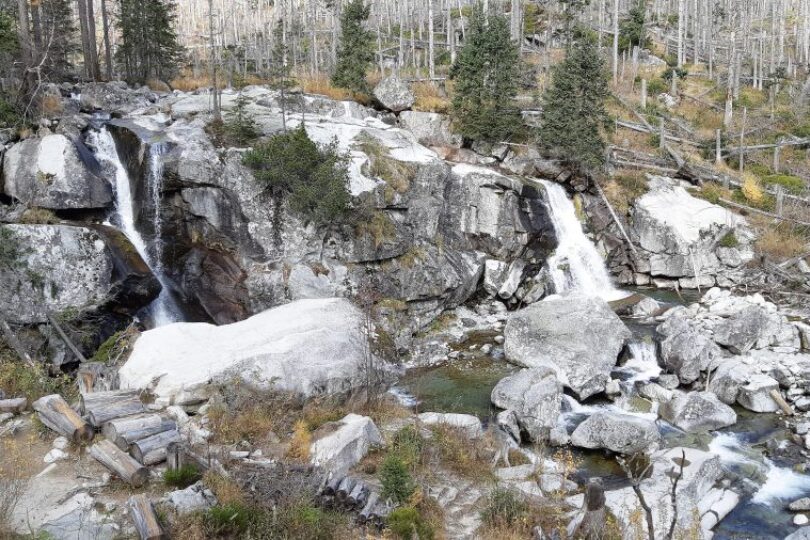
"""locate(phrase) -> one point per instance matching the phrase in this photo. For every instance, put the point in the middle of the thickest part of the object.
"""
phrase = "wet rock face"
(64, 267)
(579, 337)
(50, 172)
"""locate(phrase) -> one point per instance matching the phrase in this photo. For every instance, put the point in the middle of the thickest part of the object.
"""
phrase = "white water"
(781, 483)
(643, 363)
(163, 310)
(576, 266)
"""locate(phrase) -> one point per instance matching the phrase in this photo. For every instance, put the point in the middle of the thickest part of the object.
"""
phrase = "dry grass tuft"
(752, 189)
(624, 188)
(51, 105)
(17, 465)
(781, 241)
(429, 98)
(397, 174)
(300, 442)
(320, 84)
(226, 490)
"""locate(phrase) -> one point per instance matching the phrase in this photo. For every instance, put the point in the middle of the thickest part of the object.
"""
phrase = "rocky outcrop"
(308, 346)
(579, 337)
(63, 268)
(430, 129)
(394, 94)
(50, 172)
(694, 412)
(621, 433)
(467, 423)
(699, 245)
(340, 445)
(114, 97)
(534, 397)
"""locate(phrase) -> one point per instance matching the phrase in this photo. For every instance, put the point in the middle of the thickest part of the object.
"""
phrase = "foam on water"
(643, 363)
(576, 266)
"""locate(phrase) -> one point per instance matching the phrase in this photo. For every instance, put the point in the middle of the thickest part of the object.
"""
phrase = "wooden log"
(365, 514)
(100, 409)
(120, 463)
(15, 405)
(345, 488)
(332, 485)
(175, 456)
(75, 350)
(125, 431)
(357, 497)
(145, 519)
(55, 413)
(16, 344)
(95, 377)
(152, 449)
(777, 397)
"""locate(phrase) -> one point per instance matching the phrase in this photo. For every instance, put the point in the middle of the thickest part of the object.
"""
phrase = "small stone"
(613, 388)
(5, 416)
(498, 339)
(801, 429)
(486, 348)
(55, 455)
(669, 381)
(800, 519)
(60, 443)
(800, 505)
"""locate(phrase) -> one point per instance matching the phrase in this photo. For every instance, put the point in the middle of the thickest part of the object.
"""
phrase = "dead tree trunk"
(55, 413)
(120, 463)
(145, 519)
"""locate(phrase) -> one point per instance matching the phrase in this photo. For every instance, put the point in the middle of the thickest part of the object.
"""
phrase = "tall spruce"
(574, 107)
(486, 75)
(58, 43)
(149, 48)
(356, 51)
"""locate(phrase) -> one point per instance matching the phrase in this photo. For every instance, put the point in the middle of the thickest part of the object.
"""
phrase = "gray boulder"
(580, 337)
(728, 377)
(698, 411)
(194, 498)
(431, 129)
(48, 172)
(756, 394)
(344, 443)
(62, 267)
(467, 423)
(394, 94)
(752, 327)
(622, 433)
(535, 397)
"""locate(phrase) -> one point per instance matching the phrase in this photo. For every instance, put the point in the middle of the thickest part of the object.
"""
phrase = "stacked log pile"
(354, 495)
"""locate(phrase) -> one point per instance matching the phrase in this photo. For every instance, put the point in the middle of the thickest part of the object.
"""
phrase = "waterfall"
(164, 309)
(576, 266)
(643, 363)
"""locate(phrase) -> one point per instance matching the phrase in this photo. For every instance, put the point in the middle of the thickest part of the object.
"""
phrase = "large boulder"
(694, 244)
(341, 445)
(394, 94)
(431, 129)
(468, 424)
(694, 412)
(49, 172)
(307, 346)
(687, 349)
(617, 432)
(59, 268)
(753, 327)
(579, 337)
(535, 396)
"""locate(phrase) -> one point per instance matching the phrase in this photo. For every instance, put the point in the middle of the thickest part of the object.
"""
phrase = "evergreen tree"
(356, 51)
(486, 75)
(149, 47)
(574, 107)
(631, 29)
(58, 42)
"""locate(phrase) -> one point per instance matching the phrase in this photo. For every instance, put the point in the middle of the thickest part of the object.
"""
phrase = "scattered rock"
(800, 519)
(800, 505)
(394, 94)
(694, 412)
(535, 396)
(756, 394)
(622, 433)
(341, 445)
(467, 423)
(193, 498)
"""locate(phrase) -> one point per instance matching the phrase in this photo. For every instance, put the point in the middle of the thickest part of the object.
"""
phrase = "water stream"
(576, 265)
(164, 308)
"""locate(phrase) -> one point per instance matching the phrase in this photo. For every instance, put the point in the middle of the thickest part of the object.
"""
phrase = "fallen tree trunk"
(125, 431)
(145, 519)
(152, 449)
(15, 405)
(120, 463)
(100, 409)
(179, 455)
(11, 339)
(55, 413)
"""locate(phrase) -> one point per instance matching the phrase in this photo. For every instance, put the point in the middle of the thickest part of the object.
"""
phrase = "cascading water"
(576, 266)
(164, 309)
(643, 363)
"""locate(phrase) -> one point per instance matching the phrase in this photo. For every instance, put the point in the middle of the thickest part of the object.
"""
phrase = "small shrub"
(239, 126)
(231, 518)
(182, 477)
(407, 523)
(397, 174)
(793, 184)
(396, 480)
(729, 240)
(19, 379)
(752, 190)
(429, 98)
(781, 242)
(504, 507)
(315, 178)
(656, 86)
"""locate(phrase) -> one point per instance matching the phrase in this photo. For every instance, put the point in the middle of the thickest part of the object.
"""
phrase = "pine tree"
(356, 51)
(59, 43)
(486, 75)
(574, 107)
(149, 47)
(631, 29)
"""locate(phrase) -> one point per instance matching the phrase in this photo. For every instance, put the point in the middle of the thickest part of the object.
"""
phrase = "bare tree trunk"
(23, 32)
(431, 57)
(615, 41)
(212, 45)
(107, 48)
(91, 34)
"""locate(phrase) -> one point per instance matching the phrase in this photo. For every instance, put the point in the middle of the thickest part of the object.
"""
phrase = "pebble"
(800, 519)
(499, 339)
(486, 348)
(60, 443)
(800, 505)
(55, 455)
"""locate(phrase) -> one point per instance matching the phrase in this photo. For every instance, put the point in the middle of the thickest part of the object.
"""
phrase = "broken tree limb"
(145, 519)
(777, 397)
(152, 449)
(120, 463)
(75, 350)
(55, 413)
(763, 212)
